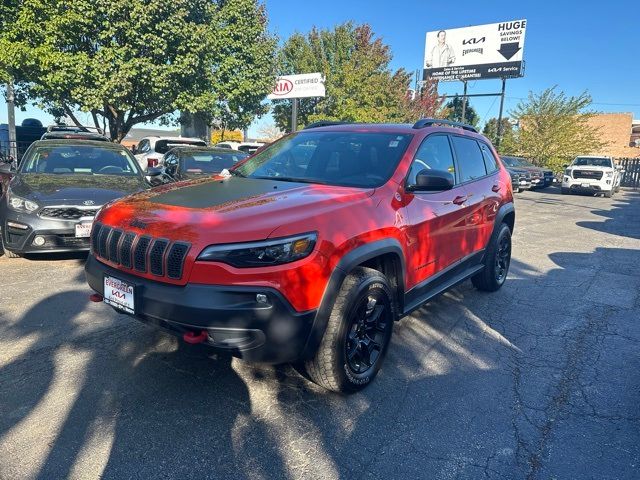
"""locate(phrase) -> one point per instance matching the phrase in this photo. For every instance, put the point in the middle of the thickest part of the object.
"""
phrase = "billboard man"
(441, 54)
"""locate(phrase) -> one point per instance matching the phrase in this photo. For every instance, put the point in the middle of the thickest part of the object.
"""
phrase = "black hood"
(52, 189)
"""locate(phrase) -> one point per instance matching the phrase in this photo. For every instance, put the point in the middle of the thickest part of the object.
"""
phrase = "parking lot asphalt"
(539, 380)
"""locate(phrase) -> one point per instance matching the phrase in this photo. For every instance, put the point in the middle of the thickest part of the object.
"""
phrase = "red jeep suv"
(312, 248)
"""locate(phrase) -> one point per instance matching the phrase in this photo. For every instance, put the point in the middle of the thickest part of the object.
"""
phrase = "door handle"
(460, 199)
(495, 188)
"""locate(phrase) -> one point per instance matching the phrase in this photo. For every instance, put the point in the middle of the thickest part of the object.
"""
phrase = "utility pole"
(464, 102)
(11, 114)
(499, 139)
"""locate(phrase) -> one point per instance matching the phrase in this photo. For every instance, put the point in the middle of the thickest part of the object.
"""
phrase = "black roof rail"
(429, 122)
(325, 123)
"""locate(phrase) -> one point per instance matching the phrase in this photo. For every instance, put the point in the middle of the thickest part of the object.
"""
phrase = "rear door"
(436, 220)
(479, 176)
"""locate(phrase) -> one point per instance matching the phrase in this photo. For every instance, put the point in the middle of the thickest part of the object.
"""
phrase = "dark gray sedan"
(48, 202)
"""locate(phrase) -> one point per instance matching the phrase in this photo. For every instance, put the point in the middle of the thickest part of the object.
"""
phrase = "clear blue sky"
(576, 45)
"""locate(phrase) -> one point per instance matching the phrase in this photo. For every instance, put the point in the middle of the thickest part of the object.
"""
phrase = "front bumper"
(587, 186)
(271, 332)
(59, 235)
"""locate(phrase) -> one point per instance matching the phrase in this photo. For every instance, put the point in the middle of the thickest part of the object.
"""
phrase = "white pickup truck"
(595, 175)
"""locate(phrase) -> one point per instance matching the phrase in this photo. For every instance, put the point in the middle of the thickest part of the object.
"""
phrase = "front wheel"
(357, 334)
(496, 263)
(7, 253)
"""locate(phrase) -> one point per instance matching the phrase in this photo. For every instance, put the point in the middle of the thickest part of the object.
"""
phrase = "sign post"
(11, 117)
(295, 87)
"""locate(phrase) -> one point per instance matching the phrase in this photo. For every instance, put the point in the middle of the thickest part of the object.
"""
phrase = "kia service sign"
(298, 86)
(473, 53)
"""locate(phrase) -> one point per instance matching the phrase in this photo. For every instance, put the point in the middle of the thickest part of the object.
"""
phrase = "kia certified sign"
(473, 53)
(298, 86)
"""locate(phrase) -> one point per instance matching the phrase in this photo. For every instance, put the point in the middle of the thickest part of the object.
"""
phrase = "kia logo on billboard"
(473, 41)
(283, 87)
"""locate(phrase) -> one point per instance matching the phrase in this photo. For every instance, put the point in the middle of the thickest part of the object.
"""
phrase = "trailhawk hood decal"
(228, 210)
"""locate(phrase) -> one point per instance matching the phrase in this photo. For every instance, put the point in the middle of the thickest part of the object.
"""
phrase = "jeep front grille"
(142, 253)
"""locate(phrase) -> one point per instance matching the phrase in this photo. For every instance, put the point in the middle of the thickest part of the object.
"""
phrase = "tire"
(496, 262)
(7, 253)
(362, 316)
(565, 191)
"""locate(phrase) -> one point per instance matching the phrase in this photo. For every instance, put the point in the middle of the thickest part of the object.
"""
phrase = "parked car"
(150, 150)
(47, 203)
(182, 163)
(60, 132)
(593, 175)
(247, 147)
(540, 177)
(310, 250)
(520, 177)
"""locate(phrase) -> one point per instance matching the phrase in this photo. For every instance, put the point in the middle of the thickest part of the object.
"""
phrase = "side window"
(433, 154)
(469, 156)
(490, 162)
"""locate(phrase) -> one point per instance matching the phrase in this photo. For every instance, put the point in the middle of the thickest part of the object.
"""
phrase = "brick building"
(617, 130)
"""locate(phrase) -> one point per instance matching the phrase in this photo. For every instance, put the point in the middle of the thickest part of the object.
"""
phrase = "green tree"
(454, 107)
(490, 131)
(554, 128)
(134, 61)
(360, 84)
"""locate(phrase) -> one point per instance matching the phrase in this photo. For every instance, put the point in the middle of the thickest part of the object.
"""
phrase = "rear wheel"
(496, 262)
(357, 334)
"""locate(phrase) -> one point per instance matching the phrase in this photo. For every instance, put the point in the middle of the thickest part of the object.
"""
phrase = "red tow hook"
(96, 297)
(193, 338)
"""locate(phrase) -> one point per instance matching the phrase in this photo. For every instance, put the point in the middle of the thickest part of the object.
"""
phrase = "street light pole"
(11, 114)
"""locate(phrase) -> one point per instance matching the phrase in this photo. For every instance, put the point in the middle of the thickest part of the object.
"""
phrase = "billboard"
(474, 53)
(298, 86)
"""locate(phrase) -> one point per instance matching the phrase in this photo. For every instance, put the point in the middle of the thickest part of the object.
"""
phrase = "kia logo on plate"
(88, 202)
(283, 87)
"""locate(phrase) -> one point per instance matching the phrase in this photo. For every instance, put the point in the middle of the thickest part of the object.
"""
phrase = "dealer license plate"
(586, 185)
(83, 230)
(119, 294)
(523, 182)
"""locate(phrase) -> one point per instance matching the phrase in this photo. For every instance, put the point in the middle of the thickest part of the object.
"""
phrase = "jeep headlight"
(263, 253)
(21, 204)
(608, 174)
(567, 172)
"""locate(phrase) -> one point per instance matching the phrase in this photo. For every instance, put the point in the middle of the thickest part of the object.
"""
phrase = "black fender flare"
(355, 257)
(503, 211)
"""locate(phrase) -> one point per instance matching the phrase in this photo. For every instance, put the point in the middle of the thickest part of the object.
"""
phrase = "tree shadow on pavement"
(472, 386)
(622, 220)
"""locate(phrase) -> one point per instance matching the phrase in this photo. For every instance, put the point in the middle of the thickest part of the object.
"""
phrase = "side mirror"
(566, 165)
(432, 181)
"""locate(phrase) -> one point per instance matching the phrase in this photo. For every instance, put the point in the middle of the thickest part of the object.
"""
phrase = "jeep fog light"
(39, 241)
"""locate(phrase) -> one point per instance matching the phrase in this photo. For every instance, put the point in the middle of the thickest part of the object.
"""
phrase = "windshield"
(163, 146)
(357, 159)
(592, 162)
(210, 162)
(510, 161)
(80, 159)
